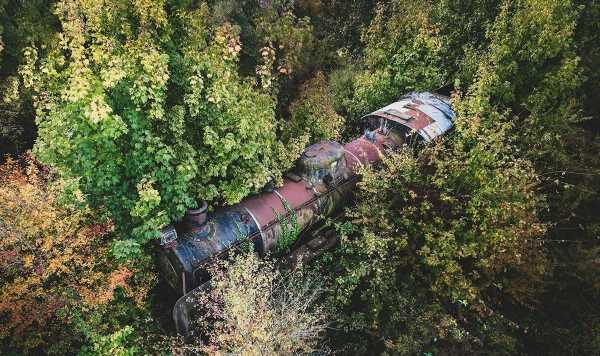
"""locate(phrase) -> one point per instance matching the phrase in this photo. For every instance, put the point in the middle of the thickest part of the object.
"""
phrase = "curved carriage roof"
(430, 115)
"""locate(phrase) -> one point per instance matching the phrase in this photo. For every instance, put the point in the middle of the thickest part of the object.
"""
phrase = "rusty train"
(319, 187)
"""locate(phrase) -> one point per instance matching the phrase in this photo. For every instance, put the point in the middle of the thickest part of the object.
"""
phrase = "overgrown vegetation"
(253, 308)
(290, 230)
(485, 242)
(452, 233)
(59, 285)
(457, 249)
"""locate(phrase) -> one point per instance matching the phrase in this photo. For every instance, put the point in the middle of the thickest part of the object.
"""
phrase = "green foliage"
(55, 263)
(287, 42)
(588, 35)
(278, 43)
(409, 46)
(22, 24)
(341, 82)
(463, 27)
(402, 53)
(449, 231)
(484, 242)
(339, 23)
(119, 343)
(520, 166)
(147, 110)
(539, 70)
(290, 230)
(122, 326)
(532, 68)
(312, 113)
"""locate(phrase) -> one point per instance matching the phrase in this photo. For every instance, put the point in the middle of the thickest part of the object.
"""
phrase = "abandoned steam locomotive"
(320, 186)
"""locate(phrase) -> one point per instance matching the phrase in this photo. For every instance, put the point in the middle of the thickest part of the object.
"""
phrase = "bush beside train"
(319, 187)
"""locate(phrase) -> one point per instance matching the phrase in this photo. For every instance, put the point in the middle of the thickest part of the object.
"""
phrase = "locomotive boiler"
(319, 187)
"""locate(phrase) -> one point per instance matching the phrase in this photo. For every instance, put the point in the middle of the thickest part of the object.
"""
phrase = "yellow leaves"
(286, 41)
(97, 110)
(27, 71)
(114, 72)
(11, 91)
(151, 13)
(28, 261)
(79, 84)
(264, 69)
(227, 42)
(138, 55)
(149, 198)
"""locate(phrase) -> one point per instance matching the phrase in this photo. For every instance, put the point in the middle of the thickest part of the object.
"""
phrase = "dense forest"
(116, 116)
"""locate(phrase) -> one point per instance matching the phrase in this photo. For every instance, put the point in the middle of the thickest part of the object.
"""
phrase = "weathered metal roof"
(430, 115)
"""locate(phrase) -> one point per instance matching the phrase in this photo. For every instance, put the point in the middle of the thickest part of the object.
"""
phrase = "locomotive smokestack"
(195, 219)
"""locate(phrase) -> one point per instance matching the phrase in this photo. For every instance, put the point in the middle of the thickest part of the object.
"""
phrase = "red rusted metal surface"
(296, 194)
(366, 151)
(427, 114)
(264, 207)
(352, 161)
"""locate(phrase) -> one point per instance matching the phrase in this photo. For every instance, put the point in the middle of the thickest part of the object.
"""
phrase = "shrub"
(125, 326)
(403, 53)
(521, 165)
(54, 260)
(287, 44)
(534, 71)
(339, 24)
(447, 235)
(117, 343)
(253, 308)
(407, 46)
(313, 114)
(22, 24)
